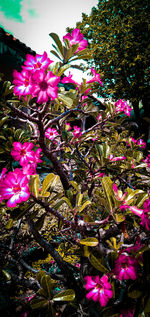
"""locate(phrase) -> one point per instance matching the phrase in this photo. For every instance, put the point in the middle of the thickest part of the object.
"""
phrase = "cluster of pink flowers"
(121, 105)
(100, 289)
(142, 213)
(27, 158)
(34, 80)
(76, 38)
(14, 186)
(140, 142)
(96, 78)
(147, 160)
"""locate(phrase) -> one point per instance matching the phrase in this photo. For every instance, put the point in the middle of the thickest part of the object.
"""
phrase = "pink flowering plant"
(75, 183)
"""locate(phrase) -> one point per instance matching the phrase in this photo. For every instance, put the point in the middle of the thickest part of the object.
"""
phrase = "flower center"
(26, 82)
(23, 152)
(43, 85)
(17, 188)
(37, 65)
(124, 265)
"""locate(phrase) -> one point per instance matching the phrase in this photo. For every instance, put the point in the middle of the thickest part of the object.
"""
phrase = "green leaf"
(97, 264)
(107, 185)
(68, 202)
(9, 224)
(54, 53)
(3, 120)
(62, 69)
(79, 199)
(90, 242)
(132, 193)
(41, 292)
(68, 102)
(39, 275)
(39, 223)
(47, 183)
(7, 275)
(147, 306)
(38, 303)
(46, 284)
(75, 185)
(87, 203)
(55, 68)
(56, 38)
(67, 296)
(134, 291)
(34, 185)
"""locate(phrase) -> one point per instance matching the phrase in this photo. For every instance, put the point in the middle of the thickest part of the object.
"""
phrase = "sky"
(31, 21)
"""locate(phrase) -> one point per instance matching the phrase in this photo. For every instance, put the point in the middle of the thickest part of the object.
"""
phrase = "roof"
(14, 43)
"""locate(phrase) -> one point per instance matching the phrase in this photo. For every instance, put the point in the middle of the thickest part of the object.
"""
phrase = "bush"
(76, 195)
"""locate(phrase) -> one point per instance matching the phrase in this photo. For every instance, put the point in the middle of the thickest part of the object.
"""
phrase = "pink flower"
(2, 177)
(36, 62)
(22, 82)
(37, 154)
(96, 77)
(142, 213)
(99, 118)
(146, 205)
(44, 86)
(77, 131)
(147, 160)
(115, 159)
(141, 143)
(67, 126)
(133, 140)
(51, 133)
(133, 249)
(121, 105)
(29, 169)
(100, 289)
(22, 152)
(68, 80)
(76, 38)
(15, 188)
(125, 267)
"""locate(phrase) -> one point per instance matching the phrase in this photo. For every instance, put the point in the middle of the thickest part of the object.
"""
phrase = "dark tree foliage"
(118, 32)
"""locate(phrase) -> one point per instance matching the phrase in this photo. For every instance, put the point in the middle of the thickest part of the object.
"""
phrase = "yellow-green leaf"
(87, 203)
(7, 275)
(62, 69)
(75, 185)
(90, 242)
(68, 102)
(68, 202)
(34, 185)
(47, 183)
(9, 224)
(79, 199)
(67, 296)
(107, 185)
(97, 264)
(46, 284)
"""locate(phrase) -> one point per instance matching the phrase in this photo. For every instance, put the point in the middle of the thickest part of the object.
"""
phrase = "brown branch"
(67, 272)
(21, 113)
